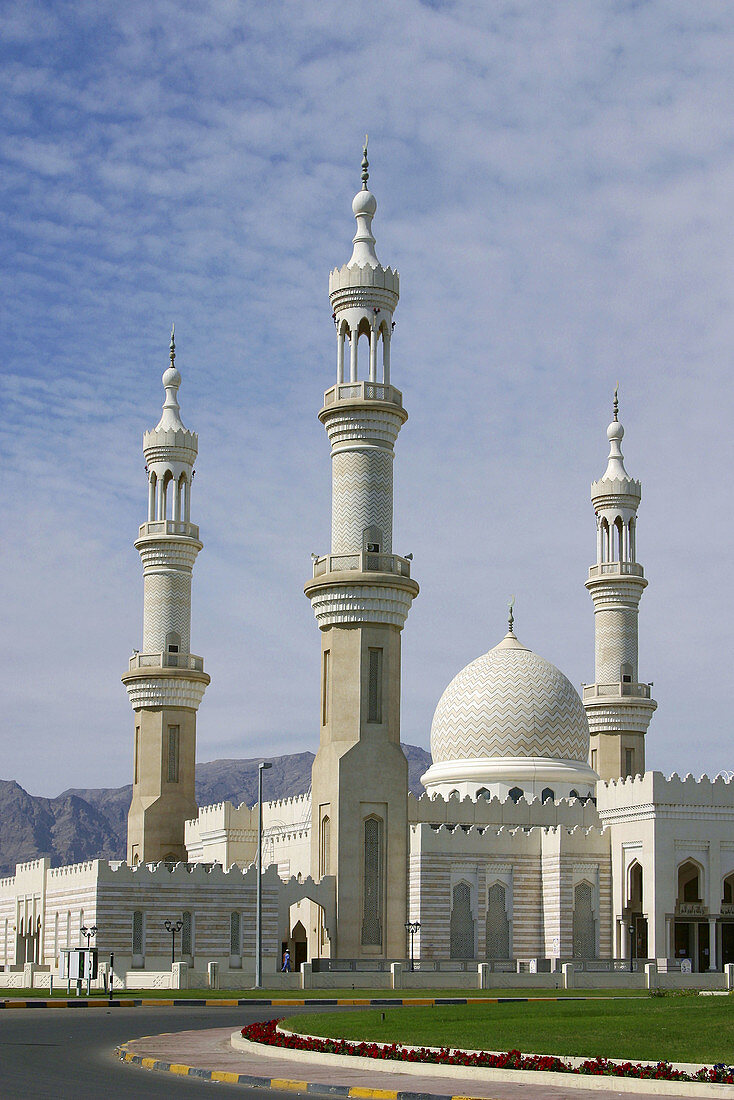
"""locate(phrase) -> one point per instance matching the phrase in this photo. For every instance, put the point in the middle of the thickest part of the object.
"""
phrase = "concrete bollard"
(651, 976)
(396, 975)
(569, 971)
(483, 972)
(729, 971)
(306, 975)
(212, 973)
(180, 975)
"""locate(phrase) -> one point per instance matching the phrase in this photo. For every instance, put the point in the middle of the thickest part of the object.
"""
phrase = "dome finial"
(173, 344)
(616, 402)
(511, 616)
(171, 418)
(365, 164)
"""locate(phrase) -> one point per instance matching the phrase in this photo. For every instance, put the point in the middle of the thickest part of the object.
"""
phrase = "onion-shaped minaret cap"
(171, 418)
(364, 206)
(615, 434)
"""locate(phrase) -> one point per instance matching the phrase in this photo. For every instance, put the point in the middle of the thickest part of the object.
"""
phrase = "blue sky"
(554, 184)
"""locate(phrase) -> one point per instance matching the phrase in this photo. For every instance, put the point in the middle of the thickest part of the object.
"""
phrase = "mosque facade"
(540, 838)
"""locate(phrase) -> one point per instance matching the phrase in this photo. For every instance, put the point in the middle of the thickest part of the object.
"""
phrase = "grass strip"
(675, 1029)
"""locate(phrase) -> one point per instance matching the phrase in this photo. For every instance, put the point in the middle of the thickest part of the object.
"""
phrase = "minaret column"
(165, 682)
(618, 706)
(361, 594)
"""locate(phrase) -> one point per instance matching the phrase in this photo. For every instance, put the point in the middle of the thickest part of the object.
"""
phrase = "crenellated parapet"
(501, 812)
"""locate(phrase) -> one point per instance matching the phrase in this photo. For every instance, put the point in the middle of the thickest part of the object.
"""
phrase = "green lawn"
(307, 994)
(675, 1029)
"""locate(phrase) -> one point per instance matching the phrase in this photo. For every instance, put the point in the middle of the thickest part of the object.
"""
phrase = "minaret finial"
(365, 164)
(173, 345)
(616, 402)
(511, 616)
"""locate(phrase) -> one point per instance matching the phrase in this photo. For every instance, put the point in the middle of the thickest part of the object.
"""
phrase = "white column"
(386, 358)
(340, 357)
(160, 509)
(625, 543)
(599, 551)
(713, 955)
(176, 513)
(373, 355)
(669, 947)
(187, 500)
(151, 498)
(353, 342)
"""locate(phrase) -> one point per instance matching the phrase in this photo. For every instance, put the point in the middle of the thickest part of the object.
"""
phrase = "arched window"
(605, 547)
(56, 935)
(82, 940)
(516, 793)
(454, 793)
(632, 547)
(325, 846)
(372, 893)
(235, 940)
(484, 793)
(573, 794)
(727, 892)
(584, 925)
(634, 887)
(548, 795)
(187, 934)
(68, 927)
(498, 926)
(138, 937)
(689, 882)
(462, 923)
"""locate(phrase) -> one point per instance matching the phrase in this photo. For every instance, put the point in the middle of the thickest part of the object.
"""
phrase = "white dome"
(509, 703)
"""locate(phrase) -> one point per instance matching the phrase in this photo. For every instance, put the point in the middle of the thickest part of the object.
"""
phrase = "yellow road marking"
(291, 1086)
(148, 1063)
(373, 1094)
(225, 1078)
(182, 1071)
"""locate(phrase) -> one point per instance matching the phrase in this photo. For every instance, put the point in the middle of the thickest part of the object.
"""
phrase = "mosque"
(541, 837)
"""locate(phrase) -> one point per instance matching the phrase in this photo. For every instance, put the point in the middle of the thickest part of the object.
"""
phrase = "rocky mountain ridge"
(82, 824)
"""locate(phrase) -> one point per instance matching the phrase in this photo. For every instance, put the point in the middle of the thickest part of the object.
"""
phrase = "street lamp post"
(173, 929)
(89, 933)
(412, 926)
(263, 766)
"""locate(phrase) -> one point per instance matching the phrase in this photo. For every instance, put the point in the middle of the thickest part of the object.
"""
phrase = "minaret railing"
(363, 391)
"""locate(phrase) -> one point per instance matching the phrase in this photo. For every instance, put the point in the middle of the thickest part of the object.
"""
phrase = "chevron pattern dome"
(509, 703)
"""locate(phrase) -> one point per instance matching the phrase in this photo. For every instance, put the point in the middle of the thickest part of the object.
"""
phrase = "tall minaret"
(618, 706)
(361, 594)
(165, 682)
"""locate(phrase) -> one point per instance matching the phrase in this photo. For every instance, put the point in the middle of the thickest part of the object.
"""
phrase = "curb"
(281, 1083)
(259, 1002)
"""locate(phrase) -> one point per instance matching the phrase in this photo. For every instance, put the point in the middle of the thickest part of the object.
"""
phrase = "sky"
(554, 184)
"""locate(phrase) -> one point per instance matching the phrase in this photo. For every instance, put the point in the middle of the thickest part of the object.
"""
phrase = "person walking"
(286, 968)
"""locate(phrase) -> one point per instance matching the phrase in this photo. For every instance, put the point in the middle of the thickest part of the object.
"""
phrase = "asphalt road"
(56, 1053)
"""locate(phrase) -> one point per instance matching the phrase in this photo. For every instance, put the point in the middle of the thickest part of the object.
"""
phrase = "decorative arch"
(584, 923)
(548, 795)
(498, 923)
(372, 884)
(633, 889)
(516, 793)
(690, 878)
(462, 922)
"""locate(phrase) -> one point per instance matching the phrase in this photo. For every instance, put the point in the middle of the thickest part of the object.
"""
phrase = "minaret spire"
(618, 706)
(511, 616)
(365, 165)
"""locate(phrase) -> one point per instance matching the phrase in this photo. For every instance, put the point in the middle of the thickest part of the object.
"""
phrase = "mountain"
(84, 823)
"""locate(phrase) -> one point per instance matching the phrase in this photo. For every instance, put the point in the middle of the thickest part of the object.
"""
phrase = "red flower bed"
(663, 1071)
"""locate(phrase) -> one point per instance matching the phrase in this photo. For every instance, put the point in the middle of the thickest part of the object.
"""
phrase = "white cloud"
(554, 185)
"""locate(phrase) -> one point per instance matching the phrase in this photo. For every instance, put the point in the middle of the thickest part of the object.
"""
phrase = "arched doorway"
(691, 929)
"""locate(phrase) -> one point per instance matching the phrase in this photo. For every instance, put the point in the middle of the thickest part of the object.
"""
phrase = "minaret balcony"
(616, 568)
(632, 691)
(166, 660)
(361, 563)
(162, 527)
(363, 391)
